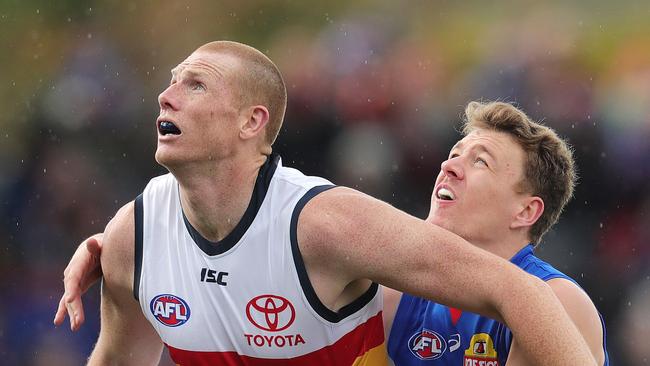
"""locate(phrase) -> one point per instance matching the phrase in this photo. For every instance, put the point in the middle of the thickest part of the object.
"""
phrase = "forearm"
(538, 322)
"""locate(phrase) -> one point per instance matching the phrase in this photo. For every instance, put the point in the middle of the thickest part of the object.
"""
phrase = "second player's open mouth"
(167, 127)
(445, 194)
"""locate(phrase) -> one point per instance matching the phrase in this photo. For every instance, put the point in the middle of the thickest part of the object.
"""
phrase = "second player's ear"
(254, 120)
(530, 211)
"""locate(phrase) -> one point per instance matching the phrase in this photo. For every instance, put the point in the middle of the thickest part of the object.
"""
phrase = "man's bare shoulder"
(118, 247)
(344, 230)
(573, 297)
(336, 214)
(582, 311)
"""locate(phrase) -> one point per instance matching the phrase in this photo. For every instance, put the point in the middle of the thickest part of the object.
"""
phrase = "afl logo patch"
(170, 310)
(427, 345)
(270, 312)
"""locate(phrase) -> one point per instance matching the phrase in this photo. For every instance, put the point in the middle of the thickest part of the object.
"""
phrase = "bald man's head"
(257, 82)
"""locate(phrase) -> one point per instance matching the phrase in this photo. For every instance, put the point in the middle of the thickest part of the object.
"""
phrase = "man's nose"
(452, 168)
(166, 99)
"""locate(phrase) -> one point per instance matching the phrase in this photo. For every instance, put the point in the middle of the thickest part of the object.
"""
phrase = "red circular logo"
(270, 312)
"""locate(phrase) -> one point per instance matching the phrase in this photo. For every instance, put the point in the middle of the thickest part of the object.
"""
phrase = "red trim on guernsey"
(455, 315)
(343, 352)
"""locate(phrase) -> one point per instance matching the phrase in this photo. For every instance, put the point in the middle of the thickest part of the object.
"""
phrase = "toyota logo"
(270, 312)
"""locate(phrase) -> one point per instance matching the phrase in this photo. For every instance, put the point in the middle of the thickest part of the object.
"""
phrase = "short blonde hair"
(258, 81)
(549, 167)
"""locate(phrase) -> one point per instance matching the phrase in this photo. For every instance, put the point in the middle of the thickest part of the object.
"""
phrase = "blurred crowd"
(375, 100)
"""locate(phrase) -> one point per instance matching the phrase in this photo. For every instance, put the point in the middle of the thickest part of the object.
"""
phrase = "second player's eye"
(480, 161)
(198, 86)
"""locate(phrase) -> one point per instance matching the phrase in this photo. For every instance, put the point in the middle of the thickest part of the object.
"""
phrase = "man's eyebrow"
(457, 145)
(192, 73)
(478, 146)
(486, 150)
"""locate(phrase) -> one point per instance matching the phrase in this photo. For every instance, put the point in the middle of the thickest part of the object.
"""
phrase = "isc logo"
(170, 310)
(212, 276)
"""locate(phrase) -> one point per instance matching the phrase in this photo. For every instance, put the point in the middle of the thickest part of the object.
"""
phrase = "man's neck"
(505, 247)
(215, 195)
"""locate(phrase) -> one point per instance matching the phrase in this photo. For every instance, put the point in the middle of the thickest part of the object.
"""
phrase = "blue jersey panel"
(427, 333)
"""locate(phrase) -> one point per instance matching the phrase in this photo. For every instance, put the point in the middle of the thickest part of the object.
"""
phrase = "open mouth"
(167, 127)
(445, 195)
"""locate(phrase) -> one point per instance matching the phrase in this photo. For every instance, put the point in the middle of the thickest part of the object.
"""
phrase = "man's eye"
(480, 161)
(198, 86)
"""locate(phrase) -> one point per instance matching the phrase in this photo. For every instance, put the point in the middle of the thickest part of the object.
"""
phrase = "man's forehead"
(208, 61)
(488, 139)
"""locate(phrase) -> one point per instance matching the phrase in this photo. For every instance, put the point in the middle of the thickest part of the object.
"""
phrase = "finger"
(75, 312)
(59, 317)
(94, 246)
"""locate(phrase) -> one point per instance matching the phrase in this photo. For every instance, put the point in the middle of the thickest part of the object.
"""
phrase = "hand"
(82, 272)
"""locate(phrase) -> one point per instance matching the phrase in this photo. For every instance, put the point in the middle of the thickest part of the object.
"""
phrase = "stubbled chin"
(165, 158)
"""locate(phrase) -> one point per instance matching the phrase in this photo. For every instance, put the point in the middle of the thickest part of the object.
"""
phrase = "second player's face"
(198, 113)
(476, 192)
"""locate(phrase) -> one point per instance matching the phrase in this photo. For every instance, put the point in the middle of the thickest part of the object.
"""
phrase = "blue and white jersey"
(427, 333)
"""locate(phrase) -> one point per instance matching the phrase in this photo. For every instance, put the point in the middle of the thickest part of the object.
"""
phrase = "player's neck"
(505, 246)
(215, 197)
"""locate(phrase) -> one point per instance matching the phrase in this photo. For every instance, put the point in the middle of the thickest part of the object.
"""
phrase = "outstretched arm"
(345, 236)
(582, 312)
(82, 272)
(125, 337)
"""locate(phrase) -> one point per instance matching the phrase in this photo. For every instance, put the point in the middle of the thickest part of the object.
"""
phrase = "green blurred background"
(376, 89)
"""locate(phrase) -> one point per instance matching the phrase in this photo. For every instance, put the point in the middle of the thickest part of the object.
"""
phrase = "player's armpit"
(126, 337)
(345, 236)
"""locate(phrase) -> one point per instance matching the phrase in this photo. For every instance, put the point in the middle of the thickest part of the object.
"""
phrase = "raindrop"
(573, 125)
(38, 11)
(601, 225)
(44, 170)
(89, 35)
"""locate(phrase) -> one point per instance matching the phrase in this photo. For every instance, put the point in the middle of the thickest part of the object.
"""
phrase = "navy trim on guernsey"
(259, 192)
(306, 285)
(139, 219)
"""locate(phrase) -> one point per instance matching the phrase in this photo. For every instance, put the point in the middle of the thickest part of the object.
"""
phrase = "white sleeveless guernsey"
(247, 299)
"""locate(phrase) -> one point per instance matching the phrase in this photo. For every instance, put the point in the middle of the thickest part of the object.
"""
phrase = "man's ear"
(256, 118)
(530, 211)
